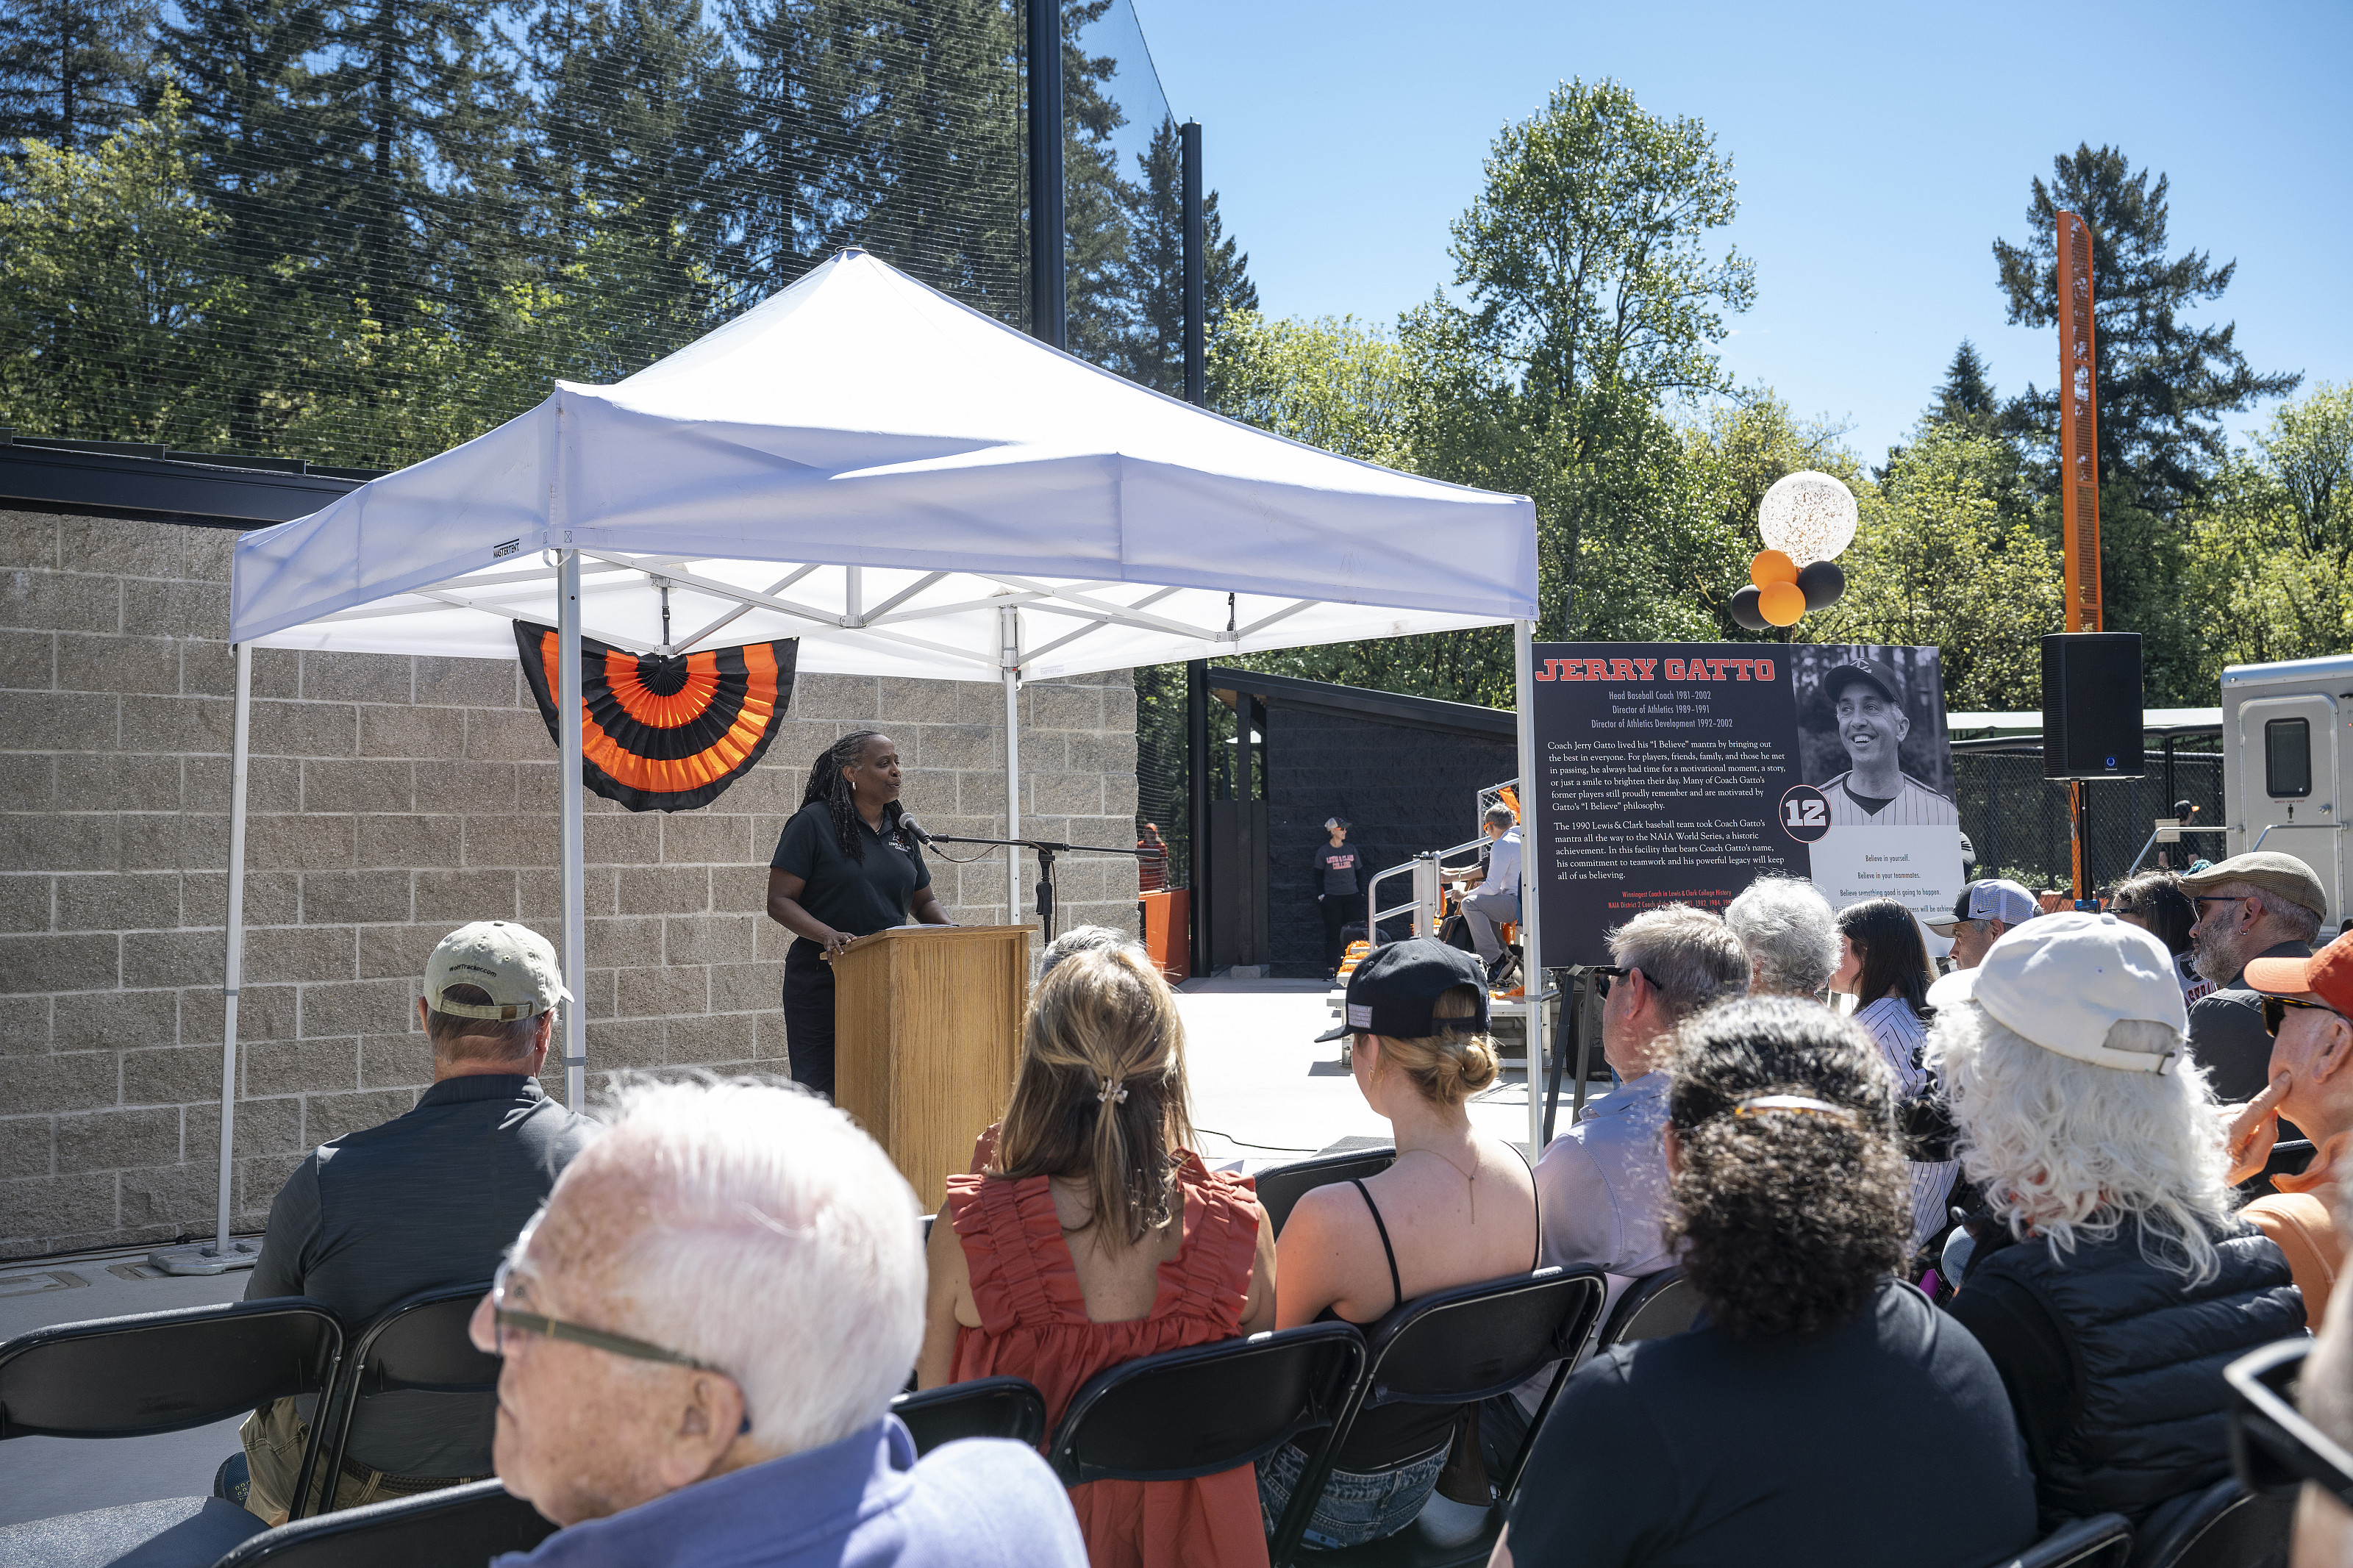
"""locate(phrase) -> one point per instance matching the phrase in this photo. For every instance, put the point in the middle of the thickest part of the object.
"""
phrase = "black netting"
(2017, 819)
(1162, 777)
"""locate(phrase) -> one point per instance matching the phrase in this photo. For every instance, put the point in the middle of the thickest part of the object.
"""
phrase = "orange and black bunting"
(666, 732)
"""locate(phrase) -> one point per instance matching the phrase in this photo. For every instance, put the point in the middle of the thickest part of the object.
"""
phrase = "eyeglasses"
(504, 1318)
(2221, 899)
(2275, 1012)
(2271, 1444)
(1607, 975)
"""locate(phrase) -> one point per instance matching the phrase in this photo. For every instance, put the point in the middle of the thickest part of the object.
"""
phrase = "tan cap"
(514, 963)
(2268, 869)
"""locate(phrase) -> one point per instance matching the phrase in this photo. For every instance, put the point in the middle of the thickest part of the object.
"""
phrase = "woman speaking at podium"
(842, 869)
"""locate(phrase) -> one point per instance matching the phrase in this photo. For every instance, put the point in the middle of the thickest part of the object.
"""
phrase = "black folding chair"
(985, 1407)
(2229, 1526)
(1207, 1409)
(2104, 1540)
(159, 1372)
(1653, 1308)
(418, 1345)
(1452, 1347)
(2286, 1159)
(1280, 1188)
(463, 1527)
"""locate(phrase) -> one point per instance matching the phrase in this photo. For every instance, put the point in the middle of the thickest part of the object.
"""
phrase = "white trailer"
(2286, 741)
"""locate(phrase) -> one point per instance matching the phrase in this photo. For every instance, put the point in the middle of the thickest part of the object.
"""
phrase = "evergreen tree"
(1966, 397)
(1156, 272)
(2163, 384)
(70, 71)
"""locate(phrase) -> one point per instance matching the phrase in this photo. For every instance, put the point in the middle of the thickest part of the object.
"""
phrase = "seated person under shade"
(1458, 1207)
(429, 1199)
(1821, 1412)
(1094, 1235)
(703, 1334)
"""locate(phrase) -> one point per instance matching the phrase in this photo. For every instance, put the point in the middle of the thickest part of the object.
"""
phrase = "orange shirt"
(2297, 1215)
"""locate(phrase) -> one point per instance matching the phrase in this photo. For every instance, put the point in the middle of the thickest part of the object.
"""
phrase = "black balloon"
(1822, 584)
(1745, 610)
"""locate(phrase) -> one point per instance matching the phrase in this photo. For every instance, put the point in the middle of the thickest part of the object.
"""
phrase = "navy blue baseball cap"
(1395, 992)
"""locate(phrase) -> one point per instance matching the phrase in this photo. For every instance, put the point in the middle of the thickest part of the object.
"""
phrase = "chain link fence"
(2017, 819)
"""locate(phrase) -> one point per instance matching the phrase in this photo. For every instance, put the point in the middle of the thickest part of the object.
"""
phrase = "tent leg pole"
(1531, 973)
(1010, 660)
(569, 857)
(233, 975)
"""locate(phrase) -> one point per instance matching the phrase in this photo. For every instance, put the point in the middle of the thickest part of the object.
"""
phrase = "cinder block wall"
(390, 800)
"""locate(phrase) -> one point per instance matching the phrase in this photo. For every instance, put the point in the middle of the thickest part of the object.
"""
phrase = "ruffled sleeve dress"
(1034, 1324)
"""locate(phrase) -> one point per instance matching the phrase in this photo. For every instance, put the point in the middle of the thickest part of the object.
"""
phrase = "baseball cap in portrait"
(1990, 899)
(2268, 869)
(2060, 980)
(1839, 677)
(513, 963)
(1395, 992)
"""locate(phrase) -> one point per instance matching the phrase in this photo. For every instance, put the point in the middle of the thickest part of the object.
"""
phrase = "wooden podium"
(926, 1030)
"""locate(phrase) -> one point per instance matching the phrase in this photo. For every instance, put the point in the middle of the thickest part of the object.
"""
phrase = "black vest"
(2148, 1354)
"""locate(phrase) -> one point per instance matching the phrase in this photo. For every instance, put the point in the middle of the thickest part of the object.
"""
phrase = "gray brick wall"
(390, 799)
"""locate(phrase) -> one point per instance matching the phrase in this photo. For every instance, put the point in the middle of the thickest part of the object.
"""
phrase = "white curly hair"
(1791, 933)
(2068, 1150)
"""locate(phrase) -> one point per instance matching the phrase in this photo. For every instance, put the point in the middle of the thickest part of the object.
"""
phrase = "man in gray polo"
(2261, 905)
(428, 1200)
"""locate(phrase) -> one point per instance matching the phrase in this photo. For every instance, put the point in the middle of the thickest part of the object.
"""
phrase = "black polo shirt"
(861, 896)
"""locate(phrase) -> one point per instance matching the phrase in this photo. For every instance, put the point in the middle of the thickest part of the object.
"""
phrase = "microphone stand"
(1045, 850)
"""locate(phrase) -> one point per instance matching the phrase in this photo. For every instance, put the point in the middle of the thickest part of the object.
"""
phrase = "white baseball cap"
(1994, 899)
(2063, 979)
(513, 963)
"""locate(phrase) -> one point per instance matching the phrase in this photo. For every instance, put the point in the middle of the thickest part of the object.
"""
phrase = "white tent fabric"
(907, 486)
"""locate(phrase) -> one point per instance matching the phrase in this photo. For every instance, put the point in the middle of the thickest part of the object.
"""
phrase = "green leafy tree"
(2272, 545)
(71, 71)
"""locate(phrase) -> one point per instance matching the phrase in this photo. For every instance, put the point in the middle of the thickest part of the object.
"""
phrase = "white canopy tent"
(909, 488)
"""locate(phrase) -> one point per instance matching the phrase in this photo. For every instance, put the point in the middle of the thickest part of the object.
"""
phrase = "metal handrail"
(1425, 922)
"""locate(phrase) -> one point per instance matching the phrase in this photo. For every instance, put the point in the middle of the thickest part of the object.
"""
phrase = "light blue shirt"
(1601, 1185)
(864, 1502)
(1503, 865)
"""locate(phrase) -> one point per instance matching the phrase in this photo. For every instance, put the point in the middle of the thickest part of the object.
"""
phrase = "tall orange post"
(2079, 463)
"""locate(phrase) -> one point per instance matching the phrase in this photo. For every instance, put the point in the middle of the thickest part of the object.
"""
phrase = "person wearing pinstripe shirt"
(1875, 790)
(1883, 964)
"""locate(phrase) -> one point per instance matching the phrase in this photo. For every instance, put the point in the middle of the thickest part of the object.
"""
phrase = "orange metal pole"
(2079, 467)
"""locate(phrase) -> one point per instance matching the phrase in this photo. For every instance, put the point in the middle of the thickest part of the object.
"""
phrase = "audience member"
(1096, 1236)
(1819, 1406)
(703, 1334)
(1983, 911)
(1883, 964)
(429, 1199)
(2113, 1284)
(2263, 905)
(2154, 902)
(1493, 899)
(2307, 1005)
(1081, 939)
(1789, 933)
(1417, 1011)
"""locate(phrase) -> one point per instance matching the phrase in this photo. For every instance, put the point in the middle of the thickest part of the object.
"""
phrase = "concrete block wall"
(390, 800)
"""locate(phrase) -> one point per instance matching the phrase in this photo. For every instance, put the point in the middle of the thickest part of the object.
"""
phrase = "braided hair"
(826, 783)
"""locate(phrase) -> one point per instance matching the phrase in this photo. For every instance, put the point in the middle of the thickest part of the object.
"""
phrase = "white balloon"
(1808, 517)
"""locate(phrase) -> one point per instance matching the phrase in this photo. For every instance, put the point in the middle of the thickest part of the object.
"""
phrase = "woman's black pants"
(1337, 910)
(808, 1015)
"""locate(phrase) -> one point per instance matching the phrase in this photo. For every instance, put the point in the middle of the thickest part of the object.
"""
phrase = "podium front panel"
(926, 1031)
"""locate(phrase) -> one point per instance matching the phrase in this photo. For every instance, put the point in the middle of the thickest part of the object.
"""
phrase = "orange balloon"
(1781, 603)
(1770, 567)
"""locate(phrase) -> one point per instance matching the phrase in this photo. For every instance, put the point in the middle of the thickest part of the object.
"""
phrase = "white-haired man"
(1790, 934)
(702, 1332)
(2258, 905)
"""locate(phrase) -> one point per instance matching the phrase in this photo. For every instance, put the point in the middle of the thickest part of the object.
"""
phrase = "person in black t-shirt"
(1336, 888)
(842, 869)
(1819, 1411)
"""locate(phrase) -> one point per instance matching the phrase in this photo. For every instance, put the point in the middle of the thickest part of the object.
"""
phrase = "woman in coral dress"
(1089, 1234)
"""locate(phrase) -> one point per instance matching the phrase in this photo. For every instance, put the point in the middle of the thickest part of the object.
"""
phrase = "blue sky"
(1880, 150)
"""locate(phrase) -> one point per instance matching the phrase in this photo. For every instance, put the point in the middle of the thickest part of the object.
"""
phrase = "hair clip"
(1802, 1104)
(1112, 1089)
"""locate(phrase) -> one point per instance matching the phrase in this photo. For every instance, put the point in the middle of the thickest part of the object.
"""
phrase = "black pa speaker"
(2091, 706)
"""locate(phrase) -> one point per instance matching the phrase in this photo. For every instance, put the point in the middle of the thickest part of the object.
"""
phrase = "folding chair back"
(2103, 1541)
(1207, 1409)
(164, 1372)
(1279, 1189)
(419, 1345)
(1653, 1308)
(985, 1407)
(468, 1525)
(2227, 1527)
(1456, 1347)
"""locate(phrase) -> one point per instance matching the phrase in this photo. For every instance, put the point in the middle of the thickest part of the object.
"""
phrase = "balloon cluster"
(1806, 519)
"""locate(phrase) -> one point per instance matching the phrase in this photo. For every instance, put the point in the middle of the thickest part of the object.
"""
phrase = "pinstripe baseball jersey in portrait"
(1914, 804)
(1899, 1033)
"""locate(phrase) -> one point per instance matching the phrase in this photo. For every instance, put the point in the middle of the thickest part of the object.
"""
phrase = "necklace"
(1471, 1175)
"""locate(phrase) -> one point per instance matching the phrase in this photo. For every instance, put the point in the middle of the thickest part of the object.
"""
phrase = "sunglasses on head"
(2272, 1446)
(2275, 1009)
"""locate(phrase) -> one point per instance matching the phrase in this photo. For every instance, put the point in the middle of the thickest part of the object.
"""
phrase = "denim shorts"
(1355, 1507)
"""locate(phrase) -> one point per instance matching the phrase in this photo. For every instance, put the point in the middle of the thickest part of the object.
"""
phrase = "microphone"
(915, 829)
